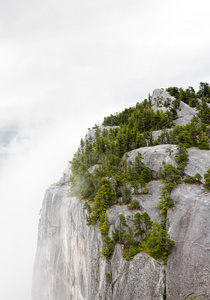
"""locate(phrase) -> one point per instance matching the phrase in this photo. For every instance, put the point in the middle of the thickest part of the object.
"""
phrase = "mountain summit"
(131, 218)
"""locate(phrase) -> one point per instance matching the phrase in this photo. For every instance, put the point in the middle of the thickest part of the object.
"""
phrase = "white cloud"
(64, 66)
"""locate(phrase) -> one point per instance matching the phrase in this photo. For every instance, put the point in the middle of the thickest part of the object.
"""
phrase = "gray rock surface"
(199, 160)
(157, 133)
(148, 273)
(150, 201)
(92, 169)
(188, 268)
(159, 97)
(185, 112)
(154, 156)
(68, 263)
(69, 266)
(90, 136)
(200, 102)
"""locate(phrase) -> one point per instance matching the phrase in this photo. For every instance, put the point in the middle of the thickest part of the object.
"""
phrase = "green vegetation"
(207, 179)
(147, 236)
(114, 176)
(108, 275)
(158, 242)
(182, 158)
(134, 205)
(189, 96)
(108, 249)
(89, 211)
(170, 176)
(104, 224)
(193, 179)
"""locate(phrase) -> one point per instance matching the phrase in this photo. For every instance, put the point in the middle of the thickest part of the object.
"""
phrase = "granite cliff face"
(188, 267)
(69, 264)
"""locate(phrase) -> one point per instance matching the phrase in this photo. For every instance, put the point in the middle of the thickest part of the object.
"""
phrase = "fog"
(64, 66)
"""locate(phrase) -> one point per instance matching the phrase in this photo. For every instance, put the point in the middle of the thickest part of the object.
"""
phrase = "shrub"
(158, 242)
(104, 224)
(108, 275)
(197, 177)
(134, 205)
(165, 203)
(131, 252)
(115, 235)
(108, 249)
(190, 179)
(207, 179)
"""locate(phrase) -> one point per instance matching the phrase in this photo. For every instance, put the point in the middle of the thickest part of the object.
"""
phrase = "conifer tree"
(104, 197)
(104, 224)
(207, 179)
(158, 242)
(137, 221)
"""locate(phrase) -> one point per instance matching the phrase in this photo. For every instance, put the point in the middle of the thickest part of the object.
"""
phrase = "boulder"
(162, 100)
(199, 160)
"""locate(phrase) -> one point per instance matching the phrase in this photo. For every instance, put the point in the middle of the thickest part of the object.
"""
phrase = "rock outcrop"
(154, 156)
(199, 160)
(141, 278)
(162, 100)
(90, 136)
(69, 264)
(188, 268)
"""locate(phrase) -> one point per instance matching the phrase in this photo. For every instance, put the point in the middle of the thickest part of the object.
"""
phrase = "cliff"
(69, 263)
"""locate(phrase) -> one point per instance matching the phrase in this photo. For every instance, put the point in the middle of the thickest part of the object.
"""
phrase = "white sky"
(64, 66)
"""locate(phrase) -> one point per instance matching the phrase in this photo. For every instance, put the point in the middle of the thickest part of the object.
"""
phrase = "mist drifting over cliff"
(65, 65)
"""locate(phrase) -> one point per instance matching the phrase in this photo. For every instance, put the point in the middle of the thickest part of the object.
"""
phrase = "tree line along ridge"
(103, 176)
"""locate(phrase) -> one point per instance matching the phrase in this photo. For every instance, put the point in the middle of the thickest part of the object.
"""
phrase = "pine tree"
(103, 199)
(182, 158)
(104, 224)
(207, 179)
(147, 221)
(137, 221)
(158, 242)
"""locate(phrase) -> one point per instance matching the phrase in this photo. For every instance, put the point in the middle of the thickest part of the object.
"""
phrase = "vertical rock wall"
(188, 268)
(69, 266)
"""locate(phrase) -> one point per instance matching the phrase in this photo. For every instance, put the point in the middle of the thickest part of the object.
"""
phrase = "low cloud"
(65, 65)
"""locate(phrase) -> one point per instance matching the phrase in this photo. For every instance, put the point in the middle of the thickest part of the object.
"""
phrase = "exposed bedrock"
(199, 160)
(160, 98)
(69, 265)
(188, 268)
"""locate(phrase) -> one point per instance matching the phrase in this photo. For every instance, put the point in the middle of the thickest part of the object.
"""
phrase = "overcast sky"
(64, 66)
